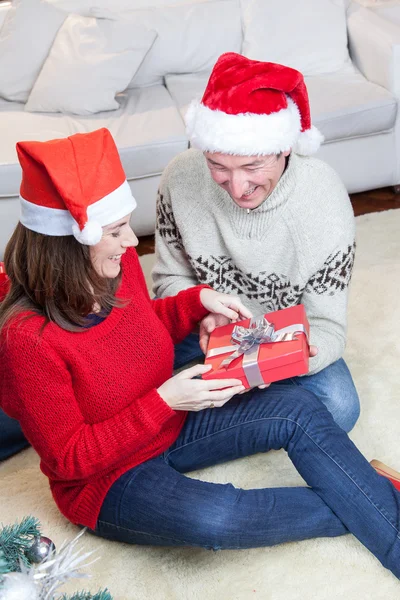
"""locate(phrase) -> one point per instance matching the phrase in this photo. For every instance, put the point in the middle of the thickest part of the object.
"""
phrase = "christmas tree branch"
(16, 539)
(101, 595)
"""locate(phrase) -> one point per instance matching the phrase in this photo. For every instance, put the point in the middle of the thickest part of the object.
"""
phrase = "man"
(249, 212)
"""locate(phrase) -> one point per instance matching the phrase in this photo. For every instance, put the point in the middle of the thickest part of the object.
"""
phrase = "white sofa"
(354, 100)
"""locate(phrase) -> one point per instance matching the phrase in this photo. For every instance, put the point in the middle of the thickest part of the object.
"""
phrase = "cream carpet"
(324, 569)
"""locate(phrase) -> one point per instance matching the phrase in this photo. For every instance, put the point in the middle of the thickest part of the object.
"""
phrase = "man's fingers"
(209, 326)
(203, 342)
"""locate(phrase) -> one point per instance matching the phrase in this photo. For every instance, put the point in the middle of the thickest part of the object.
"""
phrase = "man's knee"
(335, 389)
(300, 402)
(344, 407)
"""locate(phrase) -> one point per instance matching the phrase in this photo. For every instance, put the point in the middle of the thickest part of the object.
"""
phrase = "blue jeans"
(12, 440)
(155, 503)
(333, 385)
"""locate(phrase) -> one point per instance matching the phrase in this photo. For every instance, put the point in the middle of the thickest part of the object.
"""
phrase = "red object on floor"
(387, 472)
(4, 282)
(276, 361)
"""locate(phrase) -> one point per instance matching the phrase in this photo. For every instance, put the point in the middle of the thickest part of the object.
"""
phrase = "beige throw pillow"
(90, 62)
(26, 37)
(308, 35)
(190, 39)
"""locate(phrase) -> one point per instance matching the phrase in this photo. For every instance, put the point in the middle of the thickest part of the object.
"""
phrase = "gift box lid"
(271, 355)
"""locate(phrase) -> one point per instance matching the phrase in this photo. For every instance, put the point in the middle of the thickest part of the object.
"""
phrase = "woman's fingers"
(219, 384)
(194, 371)
(243, 311)
(223, 396)
(227, 312)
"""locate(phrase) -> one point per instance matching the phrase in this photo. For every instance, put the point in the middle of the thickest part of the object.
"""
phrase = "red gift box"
(3, 282)
(265, 362)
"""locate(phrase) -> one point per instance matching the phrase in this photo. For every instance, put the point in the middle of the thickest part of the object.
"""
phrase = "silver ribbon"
(246, 342)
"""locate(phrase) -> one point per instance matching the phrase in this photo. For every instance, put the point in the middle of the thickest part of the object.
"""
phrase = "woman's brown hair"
(53, 276)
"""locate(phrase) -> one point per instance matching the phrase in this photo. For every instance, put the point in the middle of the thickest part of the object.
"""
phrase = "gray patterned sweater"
(297, 246)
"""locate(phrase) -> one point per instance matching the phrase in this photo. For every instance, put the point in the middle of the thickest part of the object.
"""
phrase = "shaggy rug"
(323, 569)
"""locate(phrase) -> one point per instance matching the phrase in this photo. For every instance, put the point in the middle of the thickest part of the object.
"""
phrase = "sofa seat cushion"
(346, 105)
(343, 104)
(147, 129)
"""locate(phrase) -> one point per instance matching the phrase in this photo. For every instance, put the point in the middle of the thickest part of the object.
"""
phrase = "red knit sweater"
(87, 401)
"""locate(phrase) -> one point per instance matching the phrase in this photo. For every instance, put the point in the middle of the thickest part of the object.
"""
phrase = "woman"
(85, 366)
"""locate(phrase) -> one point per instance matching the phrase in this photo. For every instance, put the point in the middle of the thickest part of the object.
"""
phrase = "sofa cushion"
(4, 10)
(308, 35)
(85, 6)
(346, 105)
(343, 104)
(147, 129)
(22, 52)
(185, 88)
(91, 60)
(190, 37)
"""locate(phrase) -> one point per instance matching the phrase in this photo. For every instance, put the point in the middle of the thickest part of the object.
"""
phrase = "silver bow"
(247, 340)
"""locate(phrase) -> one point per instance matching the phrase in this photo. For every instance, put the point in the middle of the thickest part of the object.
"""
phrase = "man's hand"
(207, 326)
(313, 351)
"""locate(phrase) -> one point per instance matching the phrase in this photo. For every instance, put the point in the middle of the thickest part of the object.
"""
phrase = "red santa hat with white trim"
(252, 108)
(73, 186)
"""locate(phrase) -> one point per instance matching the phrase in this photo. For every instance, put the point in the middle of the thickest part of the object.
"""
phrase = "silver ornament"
(40, 550)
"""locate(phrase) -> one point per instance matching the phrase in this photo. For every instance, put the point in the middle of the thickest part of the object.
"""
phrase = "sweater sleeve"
(179, 313)
(172, 271)
(70, 447)
(323, 226)
(326, 299)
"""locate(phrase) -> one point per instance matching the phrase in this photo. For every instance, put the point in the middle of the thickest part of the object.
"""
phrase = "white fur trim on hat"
(55, 221)
(308, 141)
(90, 235)
(245, 134)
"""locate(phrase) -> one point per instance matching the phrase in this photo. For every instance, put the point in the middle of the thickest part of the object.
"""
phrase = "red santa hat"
(252, 108)
(73, 186)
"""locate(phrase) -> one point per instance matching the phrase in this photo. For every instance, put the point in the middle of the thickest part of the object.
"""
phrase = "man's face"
(249, 180)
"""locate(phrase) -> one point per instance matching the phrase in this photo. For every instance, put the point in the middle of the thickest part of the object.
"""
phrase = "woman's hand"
(182, 392)
(224, 304)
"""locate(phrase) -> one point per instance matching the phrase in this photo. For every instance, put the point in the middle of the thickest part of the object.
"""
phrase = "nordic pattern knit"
(296, 247)
(87, 401)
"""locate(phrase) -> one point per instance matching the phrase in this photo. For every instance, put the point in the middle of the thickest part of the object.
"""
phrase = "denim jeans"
(12, 440)
(333, 385)
(155, 503)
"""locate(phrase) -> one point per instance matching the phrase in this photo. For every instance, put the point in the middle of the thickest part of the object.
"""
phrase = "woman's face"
(106, 255)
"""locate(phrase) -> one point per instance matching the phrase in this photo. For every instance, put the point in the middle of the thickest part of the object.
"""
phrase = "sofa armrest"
(374, 44)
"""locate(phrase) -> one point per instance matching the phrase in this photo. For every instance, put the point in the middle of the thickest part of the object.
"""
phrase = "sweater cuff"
(157, 411)
(195, 308)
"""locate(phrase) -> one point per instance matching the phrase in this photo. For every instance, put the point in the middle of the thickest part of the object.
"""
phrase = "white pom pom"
(90, 234)
(18, 586)
(308, 142)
